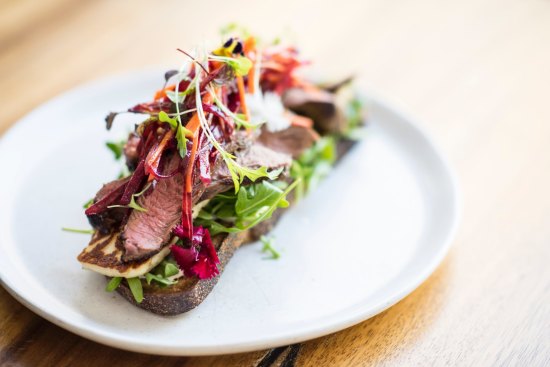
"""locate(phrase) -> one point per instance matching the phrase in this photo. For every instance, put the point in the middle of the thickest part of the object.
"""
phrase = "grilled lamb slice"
(145, 232)
(254, 156)
(293, 140)
(320, 106)
(111, 219)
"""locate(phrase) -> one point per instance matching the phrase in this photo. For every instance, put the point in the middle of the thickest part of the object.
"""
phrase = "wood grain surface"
(475, 73)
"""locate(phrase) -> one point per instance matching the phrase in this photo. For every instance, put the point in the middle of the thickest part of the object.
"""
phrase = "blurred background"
(476, 74)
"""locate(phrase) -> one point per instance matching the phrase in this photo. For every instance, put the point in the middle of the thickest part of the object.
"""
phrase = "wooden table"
(476, 73)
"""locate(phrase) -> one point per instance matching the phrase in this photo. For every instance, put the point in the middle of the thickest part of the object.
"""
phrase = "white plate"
(368, 236)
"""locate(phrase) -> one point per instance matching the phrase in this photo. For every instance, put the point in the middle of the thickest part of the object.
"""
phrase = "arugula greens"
(116, 147)
(230, 212)
(313, 165)
(162, 273)
(181, 131)
(113, 284)
(268, 247)
(241, 65)
(136, 288)
(355, 112)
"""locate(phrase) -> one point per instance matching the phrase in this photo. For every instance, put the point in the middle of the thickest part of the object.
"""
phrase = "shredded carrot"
(189, 171)
(194, 124)
(251, 78)
(297, 120)
(240, 85)
(161, 93)
(153, 158)
(249, 45)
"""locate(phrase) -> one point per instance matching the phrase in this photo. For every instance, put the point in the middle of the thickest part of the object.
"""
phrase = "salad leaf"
(136, 288)
(159, 279)
(113, 284)
(116, 147)
(241, 65)
(163, 117)
(268, 247)
(253, 204)
(314, 165)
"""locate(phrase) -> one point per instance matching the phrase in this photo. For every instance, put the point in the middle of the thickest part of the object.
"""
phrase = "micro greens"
(238, 173)
(268, 247)
(241, 65)
(76, 230)
(181, 131)
(133, 204)
(136, 288)
(240, 119)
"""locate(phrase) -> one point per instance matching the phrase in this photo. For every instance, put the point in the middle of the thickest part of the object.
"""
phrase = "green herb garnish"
(113, 284)
(133, 204)
(88, 204)
(313, 165)
(75, 230)
(116, 147)
(268, 247)
(253, 204)
(136, 288)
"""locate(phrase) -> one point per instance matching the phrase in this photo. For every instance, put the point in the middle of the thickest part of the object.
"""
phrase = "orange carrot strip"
(251, 78)
(153, 158)
(189, 171)
(297, 120)
(240, 85)
(161, 93)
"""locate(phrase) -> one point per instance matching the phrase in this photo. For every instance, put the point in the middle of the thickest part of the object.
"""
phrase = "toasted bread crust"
(187, 293)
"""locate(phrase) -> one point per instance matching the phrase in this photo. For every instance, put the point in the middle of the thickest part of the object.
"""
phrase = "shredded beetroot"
(134, 184)
(202, 263)
(185, 229)
(152, 107)
(110, 199)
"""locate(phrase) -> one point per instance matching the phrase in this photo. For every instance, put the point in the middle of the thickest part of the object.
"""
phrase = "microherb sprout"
(239, 119)
(241, 64)
(268, 247)
(181, 131)
(238, 172)
(76, 230)
(133, 204)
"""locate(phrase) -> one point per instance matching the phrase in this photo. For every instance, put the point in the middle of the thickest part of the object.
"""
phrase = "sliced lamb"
(319, 105)
(147, 232)
(110, 219)
(293, 140)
